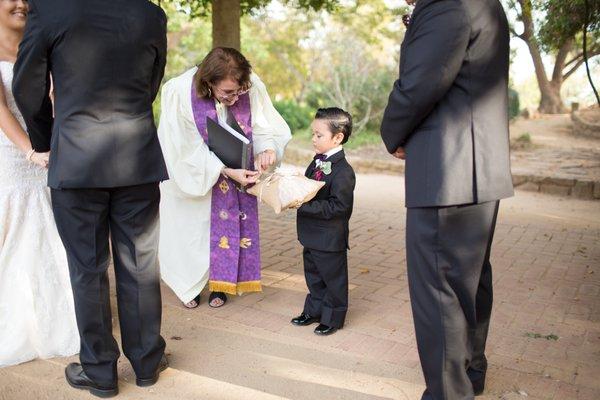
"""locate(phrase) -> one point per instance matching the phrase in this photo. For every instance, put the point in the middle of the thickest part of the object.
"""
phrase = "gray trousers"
(129, 215)
(450, 282)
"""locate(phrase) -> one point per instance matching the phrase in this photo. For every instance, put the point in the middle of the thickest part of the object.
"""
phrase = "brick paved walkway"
(547, 282)
(546, 261)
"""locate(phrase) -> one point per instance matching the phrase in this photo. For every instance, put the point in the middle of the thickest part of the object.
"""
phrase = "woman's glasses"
(228, 95)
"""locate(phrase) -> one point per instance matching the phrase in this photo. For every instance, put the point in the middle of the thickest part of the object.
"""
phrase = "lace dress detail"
(37, 318)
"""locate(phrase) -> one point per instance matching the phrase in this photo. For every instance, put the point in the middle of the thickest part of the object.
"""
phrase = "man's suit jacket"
(449, 108)
(322, 223)
(107, 60)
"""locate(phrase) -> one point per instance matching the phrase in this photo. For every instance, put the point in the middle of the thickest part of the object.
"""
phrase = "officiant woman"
(209, 229)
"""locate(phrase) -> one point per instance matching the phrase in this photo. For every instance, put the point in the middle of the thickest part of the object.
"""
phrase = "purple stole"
(234, 240)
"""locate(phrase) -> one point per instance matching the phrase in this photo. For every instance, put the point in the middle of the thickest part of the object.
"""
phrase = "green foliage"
(565, 20)
(557, 21)
(365, 139)
(297, 117)
(307, 57)
(201, 8)
(514, 108)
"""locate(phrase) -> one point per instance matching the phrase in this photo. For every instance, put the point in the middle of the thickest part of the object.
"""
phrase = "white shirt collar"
(329, 154)
(334, 151)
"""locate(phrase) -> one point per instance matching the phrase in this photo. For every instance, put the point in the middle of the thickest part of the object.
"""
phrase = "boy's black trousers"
(327, 280)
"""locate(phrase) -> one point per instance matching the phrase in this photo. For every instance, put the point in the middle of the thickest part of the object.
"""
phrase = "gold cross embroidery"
(224, 242)
(245, 243)
(224, 186)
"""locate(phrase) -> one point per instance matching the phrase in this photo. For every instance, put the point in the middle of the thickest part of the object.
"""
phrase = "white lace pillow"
(285, 188)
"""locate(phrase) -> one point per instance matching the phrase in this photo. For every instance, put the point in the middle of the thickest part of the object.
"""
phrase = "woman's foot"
(217, 299)
(195, 302)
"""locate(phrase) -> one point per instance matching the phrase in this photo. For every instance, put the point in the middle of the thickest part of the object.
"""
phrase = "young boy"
(322, 224)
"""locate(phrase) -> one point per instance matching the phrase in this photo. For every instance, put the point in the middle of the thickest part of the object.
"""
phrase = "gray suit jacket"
(449, 108)
(107, 59)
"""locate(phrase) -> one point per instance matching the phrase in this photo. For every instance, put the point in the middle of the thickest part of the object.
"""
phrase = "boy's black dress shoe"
(162, 365)
(77, 378)
(325, 330)
(304, 319)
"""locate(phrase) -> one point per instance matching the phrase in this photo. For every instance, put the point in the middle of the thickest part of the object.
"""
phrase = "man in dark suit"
(447, 115)
(107, 60)
(323, 224)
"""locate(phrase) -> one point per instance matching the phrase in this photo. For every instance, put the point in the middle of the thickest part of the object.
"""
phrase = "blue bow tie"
(319, 157)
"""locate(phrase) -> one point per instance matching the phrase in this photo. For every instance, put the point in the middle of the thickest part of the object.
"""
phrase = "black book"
(229, 143)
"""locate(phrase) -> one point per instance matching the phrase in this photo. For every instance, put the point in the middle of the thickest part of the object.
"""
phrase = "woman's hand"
(264, 160)
(242, 176)
(40, 159)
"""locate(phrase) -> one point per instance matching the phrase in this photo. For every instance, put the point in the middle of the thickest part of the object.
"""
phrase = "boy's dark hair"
(338, 121)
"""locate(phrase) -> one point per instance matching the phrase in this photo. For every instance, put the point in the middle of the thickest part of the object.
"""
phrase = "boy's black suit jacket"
(322, 223)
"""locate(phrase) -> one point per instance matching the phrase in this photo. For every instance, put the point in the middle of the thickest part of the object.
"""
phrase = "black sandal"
(217, 295)
(196, 299)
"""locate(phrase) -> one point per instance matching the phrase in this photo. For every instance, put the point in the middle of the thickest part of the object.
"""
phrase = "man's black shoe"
(304, 319)
(477, 379)
(478, 386)
(162, 365)
(77, 378)
(325, 330)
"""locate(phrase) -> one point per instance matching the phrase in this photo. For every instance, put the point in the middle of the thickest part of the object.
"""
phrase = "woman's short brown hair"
(222, 63)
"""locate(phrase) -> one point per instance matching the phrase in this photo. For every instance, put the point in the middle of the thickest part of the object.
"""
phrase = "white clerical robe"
(185, 206)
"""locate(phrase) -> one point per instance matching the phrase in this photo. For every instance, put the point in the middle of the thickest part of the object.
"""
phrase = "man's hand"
(264, 160)
(400, 153)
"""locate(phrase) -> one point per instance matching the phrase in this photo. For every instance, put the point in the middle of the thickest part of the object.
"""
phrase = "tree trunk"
(551, 101)
(226, 16)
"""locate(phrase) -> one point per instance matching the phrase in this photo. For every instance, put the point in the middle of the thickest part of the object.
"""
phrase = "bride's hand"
(242, 176)
(40, 159)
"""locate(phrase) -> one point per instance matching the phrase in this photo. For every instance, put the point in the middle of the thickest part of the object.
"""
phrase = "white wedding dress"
(37, 318)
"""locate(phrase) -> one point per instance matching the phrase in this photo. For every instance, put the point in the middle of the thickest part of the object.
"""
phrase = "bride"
(37, 318)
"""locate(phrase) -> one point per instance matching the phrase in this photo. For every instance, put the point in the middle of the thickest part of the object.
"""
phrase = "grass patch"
(523, 142)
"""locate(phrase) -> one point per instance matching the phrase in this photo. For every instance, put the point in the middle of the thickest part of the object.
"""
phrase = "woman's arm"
(15, 133)
(10, 126)
(31, 83)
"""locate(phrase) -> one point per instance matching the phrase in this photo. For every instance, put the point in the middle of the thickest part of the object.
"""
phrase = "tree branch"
(578, 64)
(572, 70)
(592, 52)
(561, 57)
